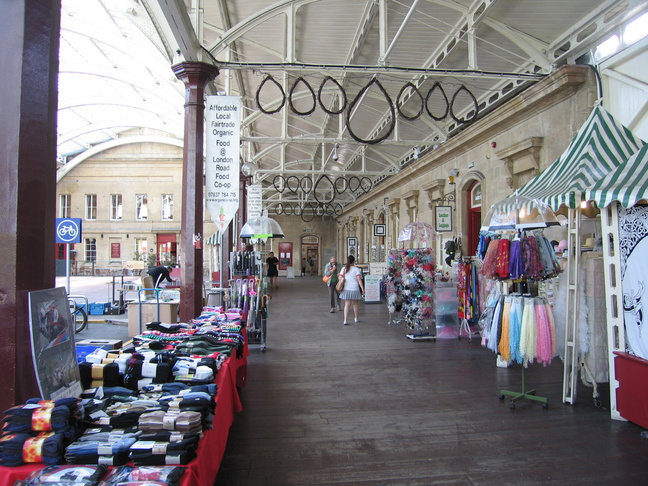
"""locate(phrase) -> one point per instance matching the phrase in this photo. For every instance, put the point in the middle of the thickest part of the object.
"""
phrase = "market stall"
(169, 397)
(601, 145)
(622, 196)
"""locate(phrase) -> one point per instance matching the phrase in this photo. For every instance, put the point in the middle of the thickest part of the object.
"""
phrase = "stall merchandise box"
(98, 308)
(632, 394)
(107, 344)
(168, 315)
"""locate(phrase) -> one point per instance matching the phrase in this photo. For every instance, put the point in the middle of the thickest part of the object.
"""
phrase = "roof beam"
(178, 27)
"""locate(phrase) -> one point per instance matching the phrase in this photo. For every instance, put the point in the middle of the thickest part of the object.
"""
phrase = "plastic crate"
(98, 308)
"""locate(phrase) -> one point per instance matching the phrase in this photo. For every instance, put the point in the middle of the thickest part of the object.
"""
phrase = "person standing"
(311, 264)
(273, 272)
(331, 270)
(353, 288)
(303, 264)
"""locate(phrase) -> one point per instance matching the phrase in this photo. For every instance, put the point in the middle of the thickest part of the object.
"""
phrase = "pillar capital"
(192, 72)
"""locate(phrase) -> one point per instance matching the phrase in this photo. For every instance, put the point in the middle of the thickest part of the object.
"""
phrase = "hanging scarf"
(531, 256)
(516, 265)
(504, 343)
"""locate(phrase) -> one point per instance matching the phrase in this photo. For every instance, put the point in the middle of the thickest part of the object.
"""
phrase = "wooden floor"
(362, 404)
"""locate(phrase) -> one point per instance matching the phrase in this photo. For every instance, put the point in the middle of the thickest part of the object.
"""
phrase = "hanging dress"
(489, 268)
(503, 252)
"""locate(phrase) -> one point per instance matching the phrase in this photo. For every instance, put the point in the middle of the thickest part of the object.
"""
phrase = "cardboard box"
(168, 315)
(107, 344)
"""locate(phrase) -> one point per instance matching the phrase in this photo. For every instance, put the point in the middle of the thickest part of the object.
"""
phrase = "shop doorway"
(167, 247)
(310, 250)
(474, 216)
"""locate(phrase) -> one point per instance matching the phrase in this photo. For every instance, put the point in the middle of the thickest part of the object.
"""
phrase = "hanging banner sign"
(223, 127)
(443, 218)
(254, 201)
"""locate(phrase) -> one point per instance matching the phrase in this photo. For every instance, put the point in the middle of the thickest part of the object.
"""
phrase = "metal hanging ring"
(294, 191)
(307, 216)
(290, 95)
(279, 178)
(427, 99)
(398, 102)
(357, 99)
(258, 91)
(344, 96)
(474, 100)
(306, 184)
(345, 185)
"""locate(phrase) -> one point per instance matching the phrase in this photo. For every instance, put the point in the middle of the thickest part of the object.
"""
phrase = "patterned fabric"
(503, 257)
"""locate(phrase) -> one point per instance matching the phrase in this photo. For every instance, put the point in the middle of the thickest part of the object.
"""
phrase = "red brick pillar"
(195, 76)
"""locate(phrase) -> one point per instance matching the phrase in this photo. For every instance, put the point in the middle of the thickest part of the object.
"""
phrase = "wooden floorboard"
(362, 404)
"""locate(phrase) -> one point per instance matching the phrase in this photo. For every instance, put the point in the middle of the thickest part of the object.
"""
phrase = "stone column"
(195, 76)
(29, 33)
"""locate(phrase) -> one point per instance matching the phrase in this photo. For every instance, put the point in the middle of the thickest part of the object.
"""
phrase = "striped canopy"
(628, 183)
(601, 145)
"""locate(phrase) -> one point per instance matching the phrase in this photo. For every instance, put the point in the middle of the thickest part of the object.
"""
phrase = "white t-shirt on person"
(351, 279)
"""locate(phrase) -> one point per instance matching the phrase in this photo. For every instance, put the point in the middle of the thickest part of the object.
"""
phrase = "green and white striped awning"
(627, 184)
(601, 145)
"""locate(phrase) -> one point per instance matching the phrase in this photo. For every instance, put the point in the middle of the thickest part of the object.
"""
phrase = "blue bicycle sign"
(68, 230)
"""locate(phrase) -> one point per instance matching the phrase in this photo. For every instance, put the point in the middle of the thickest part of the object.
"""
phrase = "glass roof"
(114, 75)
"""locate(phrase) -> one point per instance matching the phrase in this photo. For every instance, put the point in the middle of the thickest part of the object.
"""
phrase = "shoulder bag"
(340, 285)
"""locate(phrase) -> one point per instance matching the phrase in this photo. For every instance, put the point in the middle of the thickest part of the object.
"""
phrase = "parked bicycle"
(79, 315)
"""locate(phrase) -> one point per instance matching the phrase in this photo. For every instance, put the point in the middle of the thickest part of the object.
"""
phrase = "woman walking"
(353, 288)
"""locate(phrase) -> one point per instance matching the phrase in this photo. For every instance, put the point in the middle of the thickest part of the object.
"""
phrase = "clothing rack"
(528, 394)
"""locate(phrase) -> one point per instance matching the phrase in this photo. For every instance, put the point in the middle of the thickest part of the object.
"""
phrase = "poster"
(372, 288)
(53, 348)
(222, 156)
(254, 201)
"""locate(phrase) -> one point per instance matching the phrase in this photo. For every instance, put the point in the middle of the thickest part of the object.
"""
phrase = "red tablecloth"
(204, 468)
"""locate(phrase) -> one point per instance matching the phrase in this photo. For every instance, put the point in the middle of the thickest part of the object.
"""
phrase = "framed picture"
(352, 246)
(379, 230)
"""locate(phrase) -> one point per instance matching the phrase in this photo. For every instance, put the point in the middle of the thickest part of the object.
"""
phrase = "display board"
(52, 341)
(372, 288)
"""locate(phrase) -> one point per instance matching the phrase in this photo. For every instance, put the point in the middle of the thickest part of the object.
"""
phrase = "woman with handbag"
(353, 288)
(331, 279)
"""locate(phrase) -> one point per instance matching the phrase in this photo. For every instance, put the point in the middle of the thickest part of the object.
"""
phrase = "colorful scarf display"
(410, 285)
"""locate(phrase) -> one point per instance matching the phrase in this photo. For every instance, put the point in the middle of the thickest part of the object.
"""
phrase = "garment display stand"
(529, 395)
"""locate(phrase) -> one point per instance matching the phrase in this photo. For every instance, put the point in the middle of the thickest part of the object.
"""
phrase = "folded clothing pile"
(160, 453)
(94, 452)
(39, 431)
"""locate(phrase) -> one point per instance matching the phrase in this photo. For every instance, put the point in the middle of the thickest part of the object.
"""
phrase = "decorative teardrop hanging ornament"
(358, 99)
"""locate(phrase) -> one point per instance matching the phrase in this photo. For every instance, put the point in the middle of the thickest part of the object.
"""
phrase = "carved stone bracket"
(434, 190)
(522, 160)
(411, 201)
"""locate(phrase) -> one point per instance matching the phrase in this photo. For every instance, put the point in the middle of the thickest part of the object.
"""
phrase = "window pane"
(141, 208)
(115, 207)
(141, 247)
(91, 206)
(91, 249)
(167, 207)
(65, 202)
